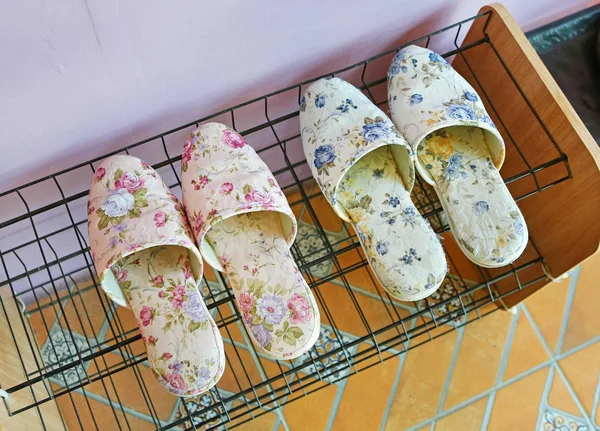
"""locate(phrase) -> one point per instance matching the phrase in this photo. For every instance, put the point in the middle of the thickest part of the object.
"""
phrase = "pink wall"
(79, 78)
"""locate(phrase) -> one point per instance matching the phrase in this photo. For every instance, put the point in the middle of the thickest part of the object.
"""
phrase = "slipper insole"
(483, 215)
(172, 317)
(400, 245)
(277, 306)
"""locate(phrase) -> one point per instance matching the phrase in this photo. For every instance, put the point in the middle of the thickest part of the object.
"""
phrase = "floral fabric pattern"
(244, 227)
(145, 258)
(185, 349)
(425, 94)
(484, 217)
(404, 252)
(276, 304)
(223, 176)
(459, 152)
(339, 125)
(365, 169)
(130, 209)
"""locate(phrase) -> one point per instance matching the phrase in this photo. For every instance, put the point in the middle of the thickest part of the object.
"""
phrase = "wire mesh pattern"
(73, 344)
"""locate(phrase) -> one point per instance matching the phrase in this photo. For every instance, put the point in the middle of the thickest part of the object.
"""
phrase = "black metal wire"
(418, 323)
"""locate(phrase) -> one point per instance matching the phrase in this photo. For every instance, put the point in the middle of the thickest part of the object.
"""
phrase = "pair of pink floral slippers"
(149, 259)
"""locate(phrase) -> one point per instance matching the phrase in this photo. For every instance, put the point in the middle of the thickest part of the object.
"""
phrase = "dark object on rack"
(46, 262)
(569, 49)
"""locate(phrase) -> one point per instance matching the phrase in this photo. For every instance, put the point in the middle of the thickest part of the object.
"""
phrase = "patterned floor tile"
(205, 410)
(311, 246)
(452, 312)
(334, 366)
(555, 420)
(62, 348)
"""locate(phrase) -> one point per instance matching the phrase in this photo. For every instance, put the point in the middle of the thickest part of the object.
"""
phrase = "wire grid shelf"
(72, 342)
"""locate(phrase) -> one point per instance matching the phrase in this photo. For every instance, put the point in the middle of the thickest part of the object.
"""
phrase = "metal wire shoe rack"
(72, 343)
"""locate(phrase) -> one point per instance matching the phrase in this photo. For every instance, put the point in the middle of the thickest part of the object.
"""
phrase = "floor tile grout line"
(119, 407)
(596, 402)
(506, 383)
(390, 400)
(396, 382)
(480, 396)
(281, 419)
(501, 369)
(336, 403)
(457, 345)
(554, 362)
(543, 405)
(568, 306)
(276, 425)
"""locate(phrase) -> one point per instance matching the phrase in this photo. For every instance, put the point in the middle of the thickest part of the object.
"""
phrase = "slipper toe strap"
(223, 177)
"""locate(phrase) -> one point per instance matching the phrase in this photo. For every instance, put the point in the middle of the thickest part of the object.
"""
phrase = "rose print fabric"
(484, 218)
(146, 260)
(275, 302)
(365, 169)
(173, 319)
(223, 176)
(244, 227)
(459, 152)
(400, 245)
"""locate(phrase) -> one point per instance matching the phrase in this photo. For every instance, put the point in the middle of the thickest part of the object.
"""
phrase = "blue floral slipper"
(245, 227)
(365, 169)
(459, 152)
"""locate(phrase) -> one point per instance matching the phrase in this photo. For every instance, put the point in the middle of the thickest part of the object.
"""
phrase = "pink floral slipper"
(244, 227)
(146, 260)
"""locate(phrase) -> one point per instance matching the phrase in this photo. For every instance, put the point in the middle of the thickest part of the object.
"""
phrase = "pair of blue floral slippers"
(364, 164)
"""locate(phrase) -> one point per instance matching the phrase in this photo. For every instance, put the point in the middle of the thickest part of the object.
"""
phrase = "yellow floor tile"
(559, 396)
(79, 413)
(421, 383)
(85, 313)
(527, 350)
(547, 307)
(124, 386)
(348, 316)
(261, 423)
(582, 370)
(466, 419)
(373, 384)
(478, 360)
(325, 214)
(584, 318)
(43, 318)
(516, 405)
(242, 366)
(311, 413)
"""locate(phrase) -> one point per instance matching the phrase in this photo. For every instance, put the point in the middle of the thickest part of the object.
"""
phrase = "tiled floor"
(535, 368)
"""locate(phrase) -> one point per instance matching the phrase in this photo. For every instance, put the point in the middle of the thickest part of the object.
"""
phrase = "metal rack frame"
(44, 267)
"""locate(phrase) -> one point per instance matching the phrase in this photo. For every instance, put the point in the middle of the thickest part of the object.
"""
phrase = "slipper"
(146, 260)
(459, 152)
(244, 227)
(365, 170)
